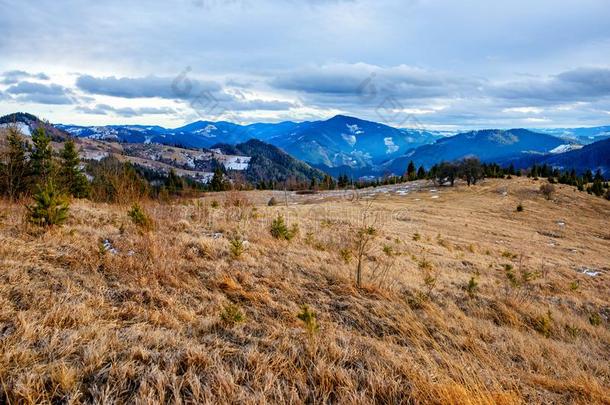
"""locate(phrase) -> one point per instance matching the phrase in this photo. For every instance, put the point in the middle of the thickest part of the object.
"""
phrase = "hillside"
(270, 163)
(257, 160)
(487, 145)
(27, 123)
(340, 143)
(99, 311)
(590, 157)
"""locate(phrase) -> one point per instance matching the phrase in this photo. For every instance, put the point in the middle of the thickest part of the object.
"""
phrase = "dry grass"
(147, 321)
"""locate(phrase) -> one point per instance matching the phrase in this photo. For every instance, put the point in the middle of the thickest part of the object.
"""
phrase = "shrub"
(544, 324)
(388, 250)
(236, 246)
(520, 207)
(215, 204)
(346, 255)
(231, 314)
(50, 208)
(416, 236)
(595, 319)
(272, 202)
(429, 282)
(309, 319)
(472, 287)
(279, 229)
(572, 330)
(139, 216)
(547, 190)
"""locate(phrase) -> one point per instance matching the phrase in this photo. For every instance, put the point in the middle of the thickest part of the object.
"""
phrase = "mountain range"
(348, 145)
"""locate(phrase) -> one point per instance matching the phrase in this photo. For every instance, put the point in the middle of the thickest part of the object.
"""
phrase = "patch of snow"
(565, 148)
(93, 155)
(23, 128)
(350, 139)
(589, 272)
(207, 131)
(237, 162)
(391, 147)
(107, 245)
(354, 129)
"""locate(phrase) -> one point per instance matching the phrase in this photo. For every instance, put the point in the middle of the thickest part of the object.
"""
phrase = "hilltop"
(464, 299)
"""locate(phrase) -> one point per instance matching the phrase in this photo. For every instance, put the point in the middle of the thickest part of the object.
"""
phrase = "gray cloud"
(14, 76)
(105, 109)
(144, 87)
(363, 80)
(582, 84)
(40, 93)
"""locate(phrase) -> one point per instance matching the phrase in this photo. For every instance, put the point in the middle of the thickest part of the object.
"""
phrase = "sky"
(437, 64)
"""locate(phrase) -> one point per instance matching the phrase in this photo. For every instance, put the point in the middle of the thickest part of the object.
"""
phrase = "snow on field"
(236, 162)
(23, 128)
(93, 154)
(565, 148)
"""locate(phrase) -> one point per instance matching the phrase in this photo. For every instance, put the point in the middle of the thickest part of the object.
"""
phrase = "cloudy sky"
(441, 64)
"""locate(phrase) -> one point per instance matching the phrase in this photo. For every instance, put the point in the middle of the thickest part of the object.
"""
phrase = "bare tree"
(365, 234)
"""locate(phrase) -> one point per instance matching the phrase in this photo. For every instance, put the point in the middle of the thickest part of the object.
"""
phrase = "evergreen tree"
(589, 176)
(421, 173)
(72, 178)
(41, 158)
(411, 171)
(597, 188)
(14, 166)
(174, 183)
(217, 183)
(50, 207)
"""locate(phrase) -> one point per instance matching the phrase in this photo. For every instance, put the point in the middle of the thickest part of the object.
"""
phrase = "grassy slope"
(80, 324)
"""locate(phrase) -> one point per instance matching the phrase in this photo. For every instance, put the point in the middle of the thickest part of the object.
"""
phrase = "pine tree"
(41, 157)
(597, 188)
(217, 182)
(421, 173)
(174, 183)
(411, 171)
(14, 167)
(72, 178)
(50, 207)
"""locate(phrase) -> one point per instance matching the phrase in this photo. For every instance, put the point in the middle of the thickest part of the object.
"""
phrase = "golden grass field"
(150, 317)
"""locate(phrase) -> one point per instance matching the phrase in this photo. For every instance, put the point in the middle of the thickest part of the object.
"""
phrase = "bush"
(236, 247)
(50, 208)
(231, 314)
(547, 190)
(279, 229)
(520, 207)
(595, 319)
(309, 319)
(272, 202)
(139, 216)
(346, 255)
(544, 324)
(472, 287)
